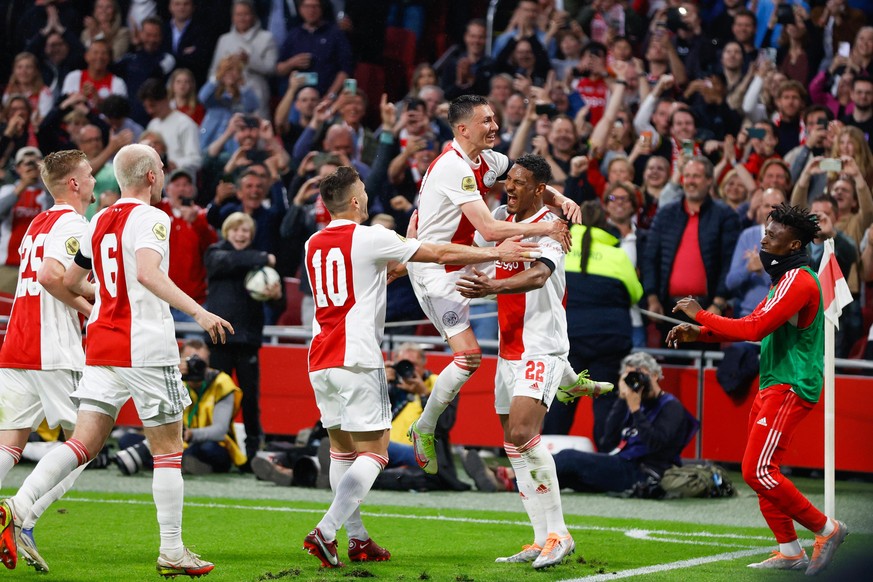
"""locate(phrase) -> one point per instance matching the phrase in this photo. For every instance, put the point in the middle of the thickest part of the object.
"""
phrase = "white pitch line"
(632, 532)
(669, 566)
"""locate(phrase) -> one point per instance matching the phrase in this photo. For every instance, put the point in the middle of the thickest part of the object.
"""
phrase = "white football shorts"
(537, 377)
(353, 399)
(28, 396)
(157, 392)
(447, 309)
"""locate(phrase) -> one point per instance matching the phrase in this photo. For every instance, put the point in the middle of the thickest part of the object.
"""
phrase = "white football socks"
(168, 491)
(339, 464)
(527, 491)
(56, 493)
(9, 457)
(790, 549)
(544, 475)
(51, 470)
(351, 491)
(446, 387)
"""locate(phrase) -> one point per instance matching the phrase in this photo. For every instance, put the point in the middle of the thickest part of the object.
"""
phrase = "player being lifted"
(450, 209)
(347, 266)
(532, 361)
(42, 359)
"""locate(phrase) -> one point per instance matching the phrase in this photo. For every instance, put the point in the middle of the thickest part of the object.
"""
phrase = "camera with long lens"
(132, 459)
(637, 381)
(196, 369)
(404, 369)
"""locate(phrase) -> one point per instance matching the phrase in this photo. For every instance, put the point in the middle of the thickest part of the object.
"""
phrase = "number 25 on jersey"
(31, 260)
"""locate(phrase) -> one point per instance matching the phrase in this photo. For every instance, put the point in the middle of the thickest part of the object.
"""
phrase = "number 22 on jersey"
(329, 281)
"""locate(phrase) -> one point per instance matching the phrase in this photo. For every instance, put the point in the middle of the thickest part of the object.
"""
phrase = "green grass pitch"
(92, 537)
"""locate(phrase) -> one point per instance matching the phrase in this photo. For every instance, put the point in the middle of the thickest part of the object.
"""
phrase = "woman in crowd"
(182, 91)
(227, 264)
(222, 97)
(26, 80)
(105, 23)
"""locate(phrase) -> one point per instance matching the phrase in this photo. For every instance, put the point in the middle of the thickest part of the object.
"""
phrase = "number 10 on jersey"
(329, 278)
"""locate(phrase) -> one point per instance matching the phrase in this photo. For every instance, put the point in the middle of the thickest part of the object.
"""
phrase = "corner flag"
(834, 289)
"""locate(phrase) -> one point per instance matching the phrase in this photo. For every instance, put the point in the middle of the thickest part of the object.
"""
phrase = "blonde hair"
(235, 220)
(132, 163)
(190, 101)
(863, 155)
(37, 83)
(57, 167)
(226, 64)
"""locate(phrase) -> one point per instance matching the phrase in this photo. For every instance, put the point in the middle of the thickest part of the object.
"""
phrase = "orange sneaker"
(825, 547)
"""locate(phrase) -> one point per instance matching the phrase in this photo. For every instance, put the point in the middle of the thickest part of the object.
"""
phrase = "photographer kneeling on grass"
(645, 432)
(210, 442)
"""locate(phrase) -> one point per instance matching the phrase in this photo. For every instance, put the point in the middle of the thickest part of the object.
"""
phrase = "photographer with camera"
(191, 236)
(208, 433)
(646, 431)
(20, 202)
(409, 386)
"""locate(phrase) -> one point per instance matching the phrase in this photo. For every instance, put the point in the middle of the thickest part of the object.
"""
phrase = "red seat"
(400, 46)
(371, 82)
(293, 299)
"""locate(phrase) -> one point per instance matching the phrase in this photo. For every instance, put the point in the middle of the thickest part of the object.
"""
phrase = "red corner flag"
(834, 289)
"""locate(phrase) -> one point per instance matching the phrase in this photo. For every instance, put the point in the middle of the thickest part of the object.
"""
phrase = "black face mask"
(778, 265)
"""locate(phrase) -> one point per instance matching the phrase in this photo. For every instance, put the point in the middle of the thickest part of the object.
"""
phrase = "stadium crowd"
(678, 124)
(687, 121)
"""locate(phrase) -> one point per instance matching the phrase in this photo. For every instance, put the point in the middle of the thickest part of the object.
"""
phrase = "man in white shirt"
(180, 132)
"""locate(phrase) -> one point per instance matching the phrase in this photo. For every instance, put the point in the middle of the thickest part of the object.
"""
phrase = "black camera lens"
(404, 369)
(196, 369)
(637, 381)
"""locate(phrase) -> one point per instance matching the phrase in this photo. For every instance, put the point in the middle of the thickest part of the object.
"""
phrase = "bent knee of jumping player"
(758, 473)
(468, 360)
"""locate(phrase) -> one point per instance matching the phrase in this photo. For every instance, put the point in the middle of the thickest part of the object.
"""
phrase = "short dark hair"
(152, 90)
(538, 166)
(862, 78)
(335, 188)
(153, 20)
(801, 221)
(461, 109)
(835, 206)
(115, 107)
(815, 109)
(597, 48)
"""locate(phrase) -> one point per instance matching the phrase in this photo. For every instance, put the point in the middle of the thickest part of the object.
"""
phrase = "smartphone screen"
(350, 85)
(844, 49)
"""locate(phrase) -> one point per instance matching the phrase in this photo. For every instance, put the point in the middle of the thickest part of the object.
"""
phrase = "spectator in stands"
(317, 45)
(20, 202)
(16, 131)
(223, 96)
(500, 88)
(437, 111)
(95, 82)
(689, 247)
(44, 17)
(708, 99)
(525, 59)
(255, 48)
(186, 38)
(182, 92)
(621, 202)
(248, 197)
(340, 141)
(589, 81)
(208, 431)
(100, 156)
(58, 55)
(862, 113)
(469, 70)
(662, 58)
(178, 130)
(862, 51)
(644, 434)
(602, 285)
(190, 236)
(850, 142)
(523, 24)
(840, 23)
(116, 110)
(818, 142)
(294, 112)
(746, 279)
(148, 62)
(227, 263)
(693, 45)
(605, 20)
(732, 191)
(351, 108)
(105, 23)
(800, 48)
(27, 81)
(405, 173)
(743, 30)
(655, 177)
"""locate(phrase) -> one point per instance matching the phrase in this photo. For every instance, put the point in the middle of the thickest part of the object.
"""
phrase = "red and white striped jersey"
(130, 327)
(533, 323)
(29, 204)
(43, 333)
(346, 264)
(452, 180)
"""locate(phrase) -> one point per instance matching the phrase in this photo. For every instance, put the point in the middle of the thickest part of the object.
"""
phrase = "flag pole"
(829, 462)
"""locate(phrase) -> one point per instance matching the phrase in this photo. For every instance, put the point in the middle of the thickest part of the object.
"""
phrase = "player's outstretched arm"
(511, 250)
(150, 275)
(682, 333)
(562, 206)
(51, 277)
(481, 285)
(494, 230)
